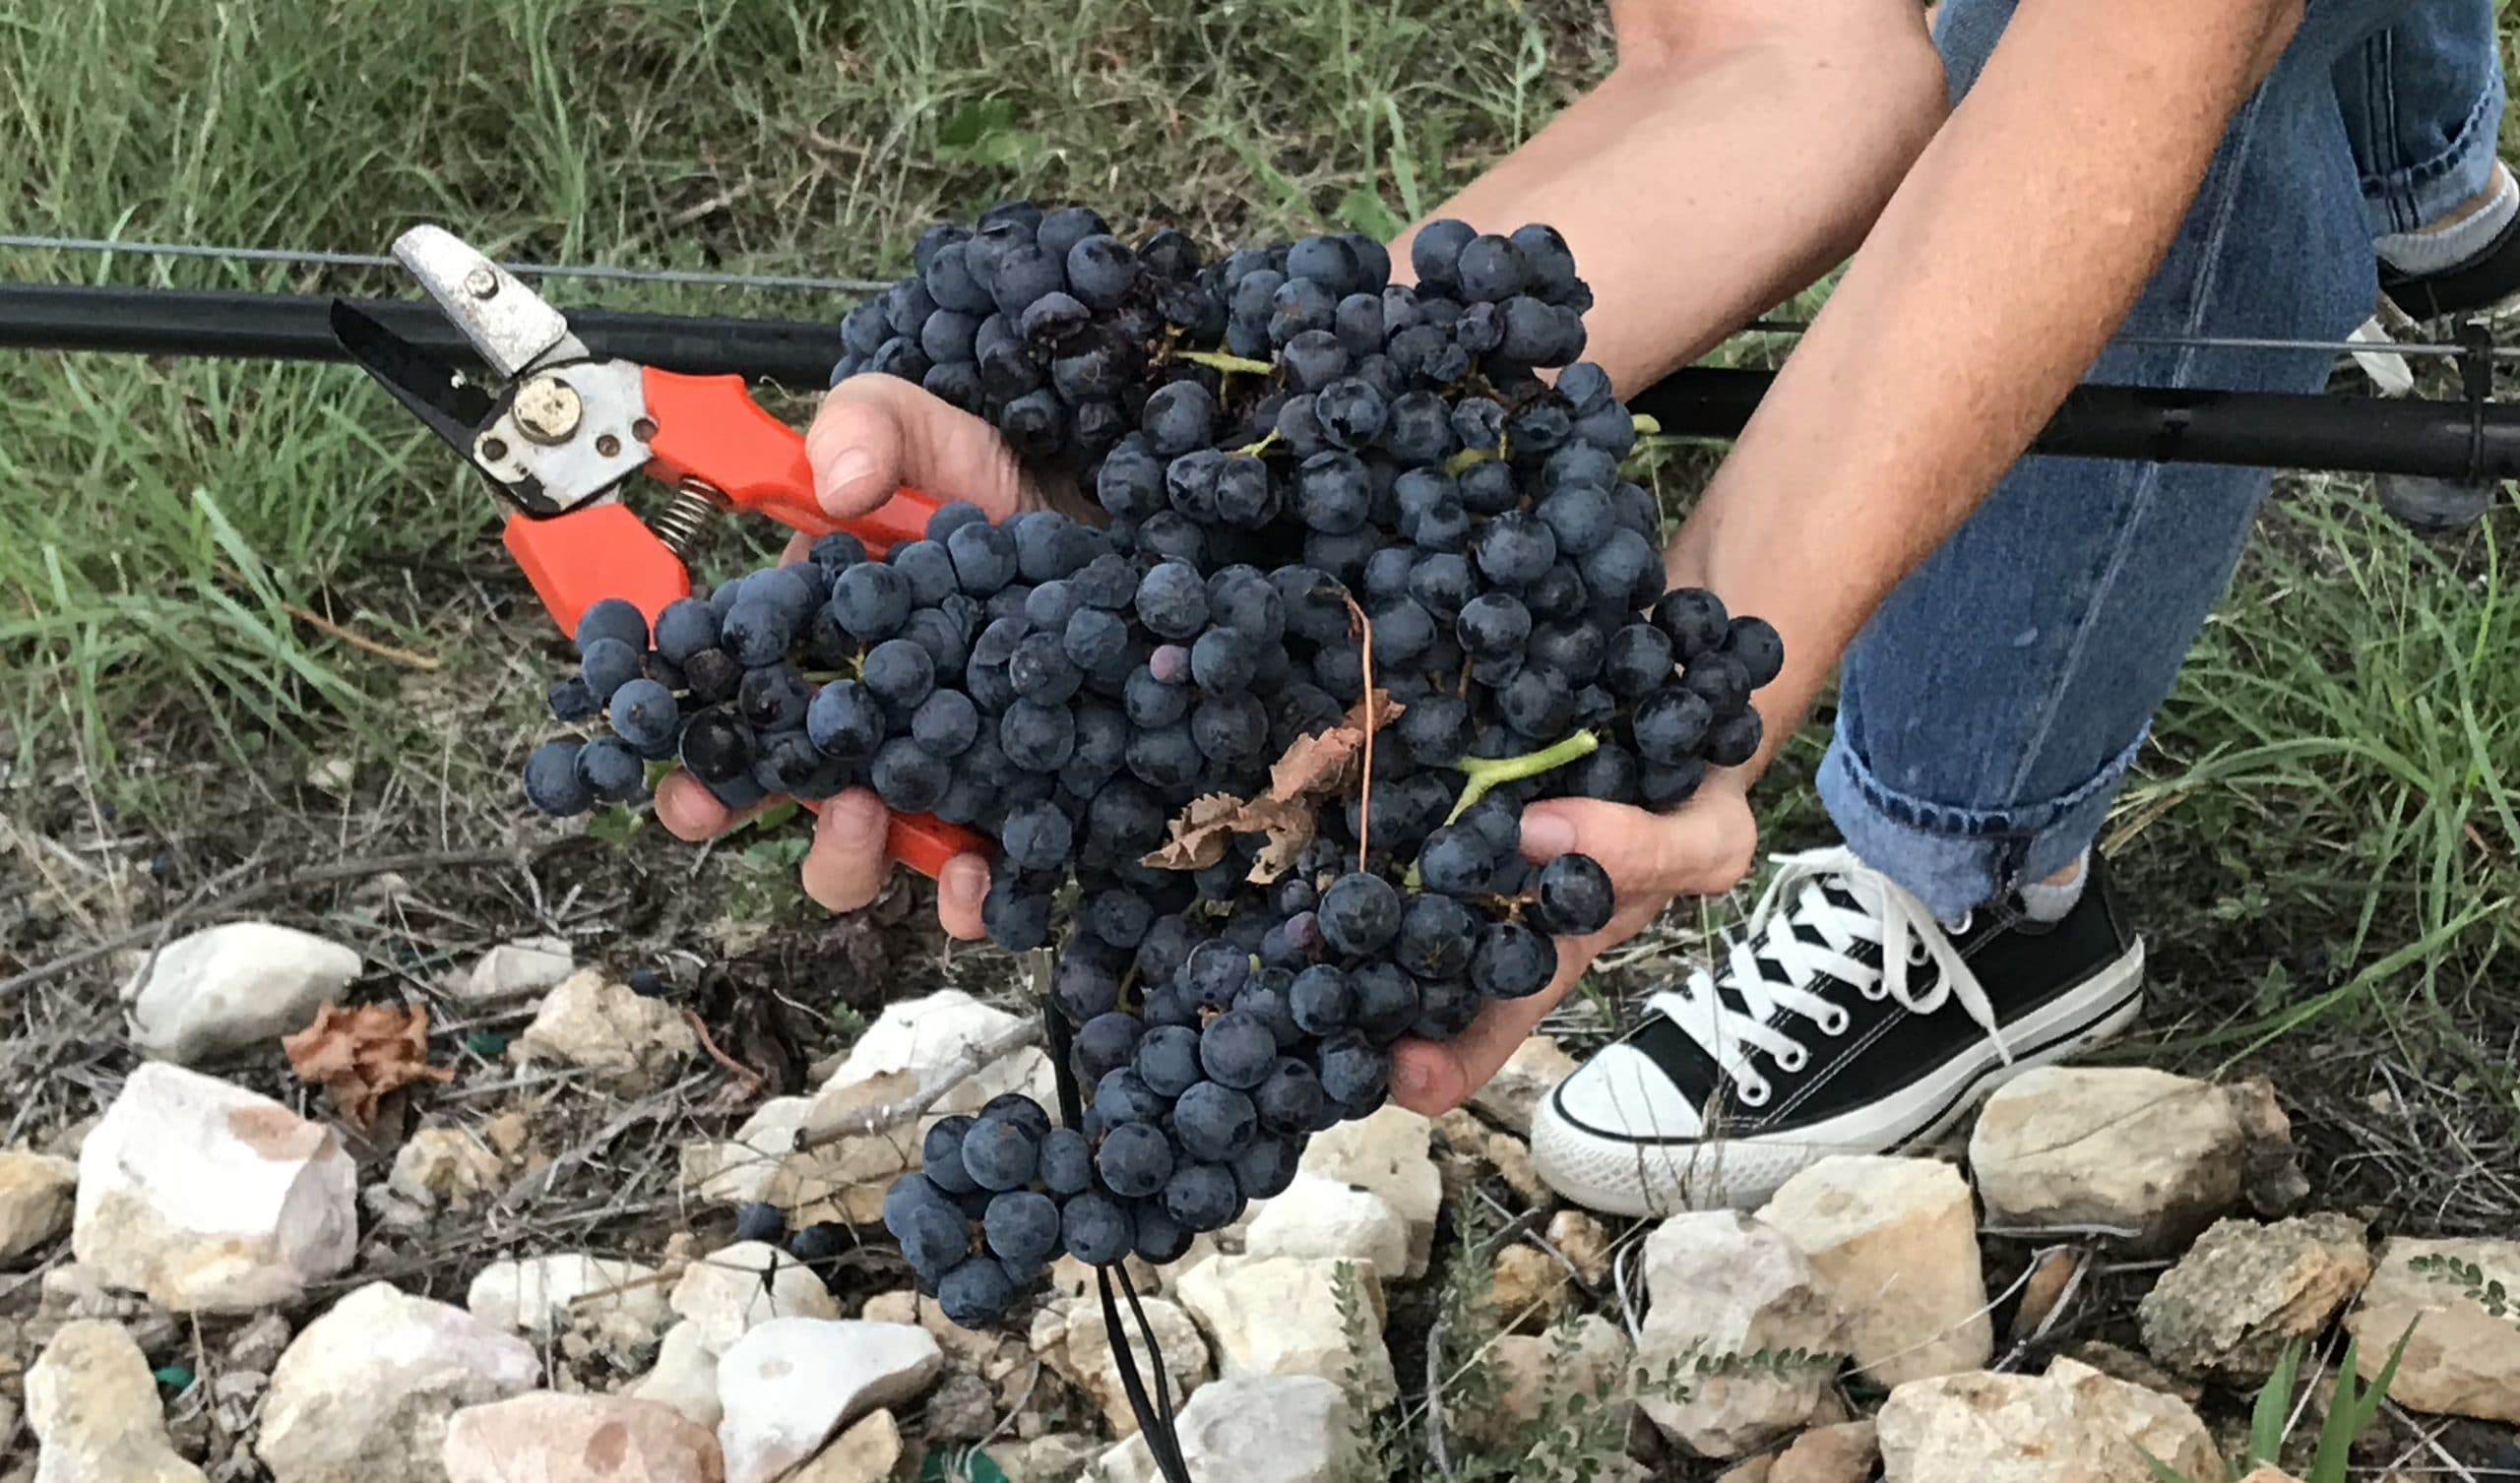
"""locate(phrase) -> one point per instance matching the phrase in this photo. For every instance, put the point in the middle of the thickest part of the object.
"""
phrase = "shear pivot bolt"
(548, 410)
(481, 282)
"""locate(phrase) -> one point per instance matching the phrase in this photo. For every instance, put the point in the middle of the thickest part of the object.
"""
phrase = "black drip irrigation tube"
(2471, 439)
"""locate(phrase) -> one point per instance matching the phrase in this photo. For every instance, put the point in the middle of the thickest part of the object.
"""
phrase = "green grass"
(2345, 744)
(2338, 765)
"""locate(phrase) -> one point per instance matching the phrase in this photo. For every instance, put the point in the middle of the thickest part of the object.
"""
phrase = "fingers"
(876, 434)
(1698, 848)
(689, 811)
(1434, 1077)
(960, 888)
(845, 865)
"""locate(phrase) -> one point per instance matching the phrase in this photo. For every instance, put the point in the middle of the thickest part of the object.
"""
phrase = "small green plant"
(1374, 1434)
(983, 133)
(1777, 1364)
(762, 880)
(1579, 1424)
(2350, 1413)
(2486, 1292)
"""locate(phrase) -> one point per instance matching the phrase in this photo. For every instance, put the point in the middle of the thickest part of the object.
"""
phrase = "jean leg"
(2423, 104)
(1989, 711)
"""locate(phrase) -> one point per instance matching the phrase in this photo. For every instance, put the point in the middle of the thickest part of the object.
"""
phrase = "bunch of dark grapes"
(1332, 507)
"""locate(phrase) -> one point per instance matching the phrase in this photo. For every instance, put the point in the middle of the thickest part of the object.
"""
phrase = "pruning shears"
(558, 432)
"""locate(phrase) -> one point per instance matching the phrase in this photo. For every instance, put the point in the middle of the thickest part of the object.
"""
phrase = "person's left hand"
(874, 435)
(1702, 848)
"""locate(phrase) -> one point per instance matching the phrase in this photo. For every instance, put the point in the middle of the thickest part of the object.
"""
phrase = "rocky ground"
(307, 1243)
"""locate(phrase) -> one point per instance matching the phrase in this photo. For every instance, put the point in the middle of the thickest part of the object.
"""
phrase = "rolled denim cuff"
(2414, 193)
(1954, 858)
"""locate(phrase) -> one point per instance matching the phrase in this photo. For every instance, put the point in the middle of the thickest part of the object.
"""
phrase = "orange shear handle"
(709, 428)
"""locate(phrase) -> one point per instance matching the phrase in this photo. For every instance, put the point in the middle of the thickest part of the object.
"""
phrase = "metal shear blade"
(512, 327)
(430, 389)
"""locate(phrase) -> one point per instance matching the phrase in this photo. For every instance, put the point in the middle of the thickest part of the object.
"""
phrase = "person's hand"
(874, 435)
(1702, 848)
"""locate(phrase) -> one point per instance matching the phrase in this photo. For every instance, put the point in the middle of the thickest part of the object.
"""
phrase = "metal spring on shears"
(687, 516)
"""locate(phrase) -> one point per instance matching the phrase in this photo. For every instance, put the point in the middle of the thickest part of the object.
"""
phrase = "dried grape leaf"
(1327, 764)
(358, 1056)
(1201, 834)
(1289, 826)
(1379, 705)
(1323, 763)
(1316, 771)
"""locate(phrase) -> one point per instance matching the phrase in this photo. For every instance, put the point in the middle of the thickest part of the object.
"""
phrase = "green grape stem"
(1486, 772)
(1460, 462)
(1219, 360)
(1647, 426)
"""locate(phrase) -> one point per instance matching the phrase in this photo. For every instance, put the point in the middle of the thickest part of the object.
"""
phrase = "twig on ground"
(887, 1115)
(2056, 1310)
(1436, 1396)
(339, 870)
(652, 1106)
(358, 641)
(1030, 1381)
(752, 1078)
(1520, 1227)
(2428, 1441)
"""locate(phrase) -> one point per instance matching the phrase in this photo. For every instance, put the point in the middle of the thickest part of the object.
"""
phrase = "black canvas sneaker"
(1843, 1020)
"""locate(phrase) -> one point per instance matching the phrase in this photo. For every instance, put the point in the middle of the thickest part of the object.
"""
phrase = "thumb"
(1644, 852)
(876, 434)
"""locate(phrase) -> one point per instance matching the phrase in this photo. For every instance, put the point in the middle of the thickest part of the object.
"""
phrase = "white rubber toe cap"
(1617, 1135)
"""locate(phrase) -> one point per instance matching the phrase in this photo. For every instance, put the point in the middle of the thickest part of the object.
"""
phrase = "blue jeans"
(1988, 713)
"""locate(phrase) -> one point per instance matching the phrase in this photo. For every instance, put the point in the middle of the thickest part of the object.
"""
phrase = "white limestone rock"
(235, 987)
(1389, 1154)
(546, 1295)
(93, 1405)
(787, 1383)
(210, 1198)
(366, 1390)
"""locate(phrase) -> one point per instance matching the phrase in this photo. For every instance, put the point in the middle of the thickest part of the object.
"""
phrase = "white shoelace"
(1885, 913)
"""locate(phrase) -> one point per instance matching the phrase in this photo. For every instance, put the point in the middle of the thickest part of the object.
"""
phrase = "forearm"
(1726, 162)
(1990, 282)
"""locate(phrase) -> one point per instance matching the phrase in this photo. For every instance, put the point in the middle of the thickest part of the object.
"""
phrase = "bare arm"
(1990, 282)
(1729, 160)
(1998, 267)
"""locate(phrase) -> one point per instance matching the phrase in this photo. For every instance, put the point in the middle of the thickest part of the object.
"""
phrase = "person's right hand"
(1704, 846)
(874, 435)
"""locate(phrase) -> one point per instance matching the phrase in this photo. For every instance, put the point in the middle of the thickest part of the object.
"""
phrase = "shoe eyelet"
(1793, 1062)
(1876, 991)
(1836, 1025)
(1753, 1094)
(1919, 954)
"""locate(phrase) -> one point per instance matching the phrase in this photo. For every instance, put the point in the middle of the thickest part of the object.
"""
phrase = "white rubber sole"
(1658, 1176)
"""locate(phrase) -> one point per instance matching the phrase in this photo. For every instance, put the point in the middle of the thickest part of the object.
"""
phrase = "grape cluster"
(1364, 582)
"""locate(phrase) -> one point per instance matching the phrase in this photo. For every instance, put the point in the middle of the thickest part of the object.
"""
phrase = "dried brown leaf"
(1316, 765)
(1289, 824)
(1201, 834)
(1325, 766)
(1314, 771)
(1379, 708)
(358, 1056)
